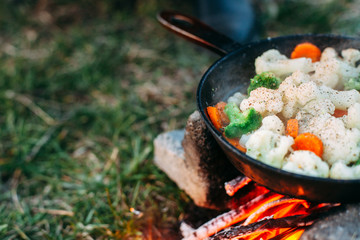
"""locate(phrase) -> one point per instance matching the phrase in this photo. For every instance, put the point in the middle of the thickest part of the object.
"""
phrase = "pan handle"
(196, 31)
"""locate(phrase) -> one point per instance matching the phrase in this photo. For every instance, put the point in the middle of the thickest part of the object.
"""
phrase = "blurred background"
(86, 86)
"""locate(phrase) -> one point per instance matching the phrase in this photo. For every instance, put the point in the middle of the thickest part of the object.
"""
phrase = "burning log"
(229, 218)
(236, 184)
(264, 228)
(267, 215)
(276, 228)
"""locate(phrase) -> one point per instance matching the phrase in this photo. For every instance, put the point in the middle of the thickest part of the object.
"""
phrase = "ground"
(85, 87)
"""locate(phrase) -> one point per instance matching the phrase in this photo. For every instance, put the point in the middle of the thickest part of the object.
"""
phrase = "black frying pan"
(231, 73)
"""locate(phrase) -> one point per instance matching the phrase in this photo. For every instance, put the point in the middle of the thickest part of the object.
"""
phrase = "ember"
(267, 215)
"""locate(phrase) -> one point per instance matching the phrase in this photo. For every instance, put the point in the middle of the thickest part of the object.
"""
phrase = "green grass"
(85, 87)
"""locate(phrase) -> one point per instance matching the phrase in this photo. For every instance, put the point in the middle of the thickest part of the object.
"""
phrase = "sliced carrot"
(214, 116)
(309, 142)
(307, 50)
(292, 128)
(339, 113)
(235, 142)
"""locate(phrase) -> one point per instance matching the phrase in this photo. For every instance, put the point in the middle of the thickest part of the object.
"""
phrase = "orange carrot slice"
(339, 113)
(235, 142)
(292, 128)
(309, 142)
(214, 117)
(307, 50)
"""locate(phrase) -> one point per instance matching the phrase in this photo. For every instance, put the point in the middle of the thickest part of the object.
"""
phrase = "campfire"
(266, 215)
(194, 161)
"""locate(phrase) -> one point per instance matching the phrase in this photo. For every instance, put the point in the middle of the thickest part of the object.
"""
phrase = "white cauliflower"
(268, 147)
(297, 90)
(341, 99)
(340, 143)
(318, 107)
(340, 171)
(274, 124)
(273, 61)
(236, 98)
(353, 116)
(333, 71)
(306, 163)
(351, 56)
(265, 101)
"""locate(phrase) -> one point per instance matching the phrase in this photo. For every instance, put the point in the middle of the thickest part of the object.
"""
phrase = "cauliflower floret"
(236, 98)
(306, 163)
(268, 147)
(274, 124)
(333, 71)
(340, 171)
(318, 107)
(351, 56)
(265, 101)
(339, 142)
(327, 54)
(297, 90)
(353, 116)
(341, 99)
(273, 61)
(314, 108)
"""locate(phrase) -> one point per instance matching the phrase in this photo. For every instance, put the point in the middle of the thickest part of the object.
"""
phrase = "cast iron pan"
(231, 73)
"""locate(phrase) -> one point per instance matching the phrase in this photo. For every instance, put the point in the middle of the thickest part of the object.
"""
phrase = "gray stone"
(195, 162)
(341, 224)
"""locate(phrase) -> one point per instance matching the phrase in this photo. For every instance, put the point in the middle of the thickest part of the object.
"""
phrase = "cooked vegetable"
(236, 143)
(273, 61)
(292, 127)
(353, 116)
(340, 113)
(307, 163)
(339, 170)
(241, 122)
(333, 70)
(340, 143)
(224, 120)
(307, 50)
(265, 101)
(217, 115)
(309, 142)
(274, 124)
(264, 79)
(268, 147)
(352, 83)
(214, 116)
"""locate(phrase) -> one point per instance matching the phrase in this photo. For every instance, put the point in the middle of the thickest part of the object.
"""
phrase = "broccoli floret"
(264, 79)
(352, 83)
(241, 123)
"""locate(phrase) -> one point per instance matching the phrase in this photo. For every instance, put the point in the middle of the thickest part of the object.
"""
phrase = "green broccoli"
(352, 83)
(264, 79)
(241, 123)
